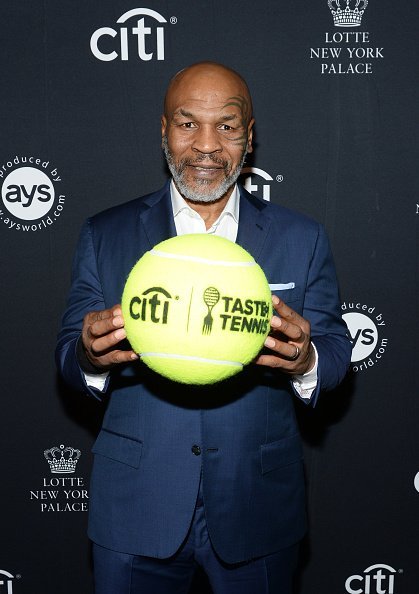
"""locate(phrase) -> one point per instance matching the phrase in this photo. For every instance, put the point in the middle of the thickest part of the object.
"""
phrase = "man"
(211, 475)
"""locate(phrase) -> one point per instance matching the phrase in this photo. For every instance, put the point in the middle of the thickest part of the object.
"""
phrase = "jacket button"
(196, 450)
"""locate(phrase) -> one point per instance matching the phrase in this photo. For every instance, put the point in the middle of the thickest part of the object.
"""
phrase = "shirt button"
(196, 450)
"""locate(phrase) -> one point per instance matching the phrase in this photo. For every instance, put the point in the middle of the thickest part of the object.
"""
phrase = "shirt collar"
(179, 204)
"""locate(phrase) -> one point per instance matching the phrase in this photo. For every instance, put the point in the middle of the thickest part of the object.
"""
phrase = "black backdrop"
(336, 138)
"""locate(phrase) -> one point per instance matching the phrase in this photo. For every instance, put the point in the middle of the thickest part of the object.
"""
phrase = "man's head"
(206, 130)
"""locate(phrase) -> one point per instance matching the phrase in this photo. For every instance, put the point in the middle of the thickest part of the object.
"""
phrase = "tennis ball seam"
(200, 260)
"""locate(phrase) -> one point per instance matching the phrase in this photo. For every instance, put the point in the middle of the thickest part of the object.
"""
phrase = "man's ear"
(163, 126)
(249, 147)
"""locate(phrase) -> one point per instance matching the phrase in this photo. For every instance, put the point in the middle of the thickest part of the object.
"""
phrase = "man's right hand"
(101, 333)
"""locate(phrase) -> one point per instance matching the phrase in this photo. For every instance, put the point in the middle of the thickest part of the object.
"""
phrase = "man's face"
(206, 133)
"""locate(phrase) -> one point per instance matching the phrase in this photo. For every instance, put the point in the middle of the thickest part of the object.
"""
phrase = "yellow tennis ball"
(197, 308)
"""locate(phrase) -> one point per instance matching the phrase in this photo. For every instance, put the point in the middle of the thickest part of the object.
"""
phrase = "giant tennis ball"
(197, 308)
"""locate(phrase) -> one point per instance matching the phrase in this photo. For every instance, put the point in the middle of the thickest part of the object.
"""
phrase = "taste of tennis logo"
(366, 327)
(32, 198)
(238, 315)
(345, 51)
(61, 491)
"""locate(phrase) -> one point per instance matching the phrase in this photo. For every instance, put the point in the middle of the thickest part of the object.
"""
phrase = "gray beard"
(202, 194)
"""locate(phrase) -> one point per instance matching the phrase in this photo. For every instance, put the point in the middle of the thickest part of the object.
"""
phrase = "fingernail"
(117, 312)
(275, 299)
(276, 322)
(269, 342)
(134, 356)
(120, 334)
(118, 321)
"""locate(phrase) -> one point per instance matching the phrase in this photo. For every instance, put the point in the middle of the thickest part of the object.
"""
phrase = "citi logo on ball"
(153, 306)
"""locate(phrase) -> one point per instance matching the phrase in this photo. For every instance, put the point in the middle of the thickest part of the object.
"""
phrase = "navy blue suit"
(147, 471)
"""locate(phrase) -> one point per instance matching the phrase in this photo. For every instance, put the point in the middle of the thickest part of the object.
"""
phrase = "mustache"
(202, 159)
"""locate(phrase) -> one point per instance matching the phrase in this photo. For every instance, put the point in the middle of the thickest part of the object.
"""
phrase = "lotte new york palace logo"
(347, 49)
(61, 490)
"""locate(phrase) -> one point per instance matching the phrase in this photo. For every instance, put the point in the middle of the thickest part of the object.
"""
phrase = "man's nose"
(206, 141)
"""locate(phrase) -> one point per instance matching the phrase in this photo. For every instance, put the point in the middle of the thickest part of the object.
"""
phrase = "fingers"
(291, 330)
(103, 329)
(101, 333)
(114, 357)
(285, 349)
(100, 323)
(288, 316)
(289, 341)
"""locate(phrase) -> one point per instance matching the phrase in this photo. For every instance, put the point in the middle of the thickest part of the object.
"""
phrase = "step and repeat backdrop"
(335, 91)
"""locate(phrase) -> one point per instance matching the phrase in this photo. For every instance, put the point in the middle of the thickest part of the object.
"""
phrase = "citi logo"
(253, 185)
(6, 583)
(152, 305)
(141, 40)
(376, 579)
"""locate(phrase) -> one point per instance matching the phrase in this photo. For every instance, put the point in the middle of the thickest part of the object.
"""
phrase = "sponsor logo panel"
(259, 182)
(376, 579)
(231, 314)
(62, 490)
(347, 50)
(366, 328)
(7, 581)
(139, 34)
(32, 197)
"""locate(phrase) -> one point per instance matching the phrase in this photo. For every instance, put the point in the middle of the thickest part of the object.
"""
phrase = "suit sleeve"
(322, 308)
(85, 296)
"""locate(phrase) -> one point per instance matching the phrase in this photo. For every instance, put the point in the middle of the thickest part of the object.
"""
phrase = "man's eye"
(225, 127)
(188, 125)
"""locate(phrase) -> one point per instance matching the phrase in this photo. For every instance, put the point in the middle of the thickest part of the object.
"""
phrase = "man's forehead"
(208, 87)
(228, 108)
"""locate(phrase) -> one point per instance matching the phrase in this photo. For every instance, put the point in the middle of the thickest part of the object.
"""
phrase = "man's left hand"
(289, 341)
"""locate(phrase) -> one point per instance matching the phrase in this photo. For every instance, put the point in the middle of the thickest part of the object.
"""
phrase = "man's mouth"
(206, 171)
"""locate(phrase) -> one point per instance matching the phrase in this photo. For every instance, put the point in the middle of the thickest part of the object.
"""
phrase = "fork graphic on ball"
(211, 298)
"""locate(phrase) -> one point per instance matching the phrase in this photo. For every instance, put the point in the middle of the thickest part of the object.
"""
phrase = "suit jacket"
(147, 471)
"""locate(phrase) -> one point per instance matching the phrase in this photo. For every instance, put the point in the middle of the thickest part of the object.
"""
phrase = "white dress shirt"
(187, 220)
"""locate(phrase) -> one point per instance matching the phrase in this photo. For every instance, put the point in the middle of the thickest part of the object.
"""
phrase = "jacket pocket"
(288, 294)
(280, 453)
(118, 447)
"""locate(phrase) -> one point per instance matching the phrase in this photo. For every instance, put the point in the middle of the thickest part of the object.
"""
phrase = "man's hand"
(289, 341)
(101, 333)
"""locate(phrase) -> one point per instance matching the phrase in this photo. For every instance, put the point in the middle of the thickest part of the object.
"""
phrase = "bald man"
(210, 476)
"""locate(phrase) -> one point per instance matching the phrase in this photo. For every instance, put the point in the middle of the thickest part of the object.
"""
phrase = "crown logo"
(65, 463)
(347, 17)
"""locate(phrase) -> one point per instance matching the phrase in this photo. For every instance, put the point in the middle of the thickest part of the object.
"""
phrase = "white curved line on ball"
(192, 358)
(199, 260)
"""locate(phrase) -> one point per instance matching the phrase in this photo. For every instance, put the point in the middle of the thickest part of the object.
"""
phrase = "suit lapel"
(156, 217)
(254, 225)
(157, 224)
